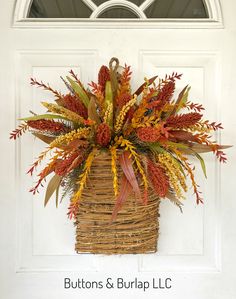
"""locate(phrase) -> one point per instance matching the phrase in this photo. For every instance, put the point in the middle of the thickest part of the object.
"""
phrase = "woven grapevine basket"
(136, 227)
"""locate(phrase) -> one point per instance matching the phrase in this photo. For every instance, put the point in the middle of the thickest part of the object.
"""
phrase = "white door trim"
(20, 20)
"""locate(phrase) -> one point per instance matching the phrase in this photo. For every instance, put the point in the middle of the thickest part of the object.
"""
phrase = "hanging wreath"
(129, 149)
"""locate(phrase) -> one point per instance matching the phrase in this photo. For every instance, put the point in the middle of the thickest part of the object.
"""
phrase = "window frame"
(213, 7)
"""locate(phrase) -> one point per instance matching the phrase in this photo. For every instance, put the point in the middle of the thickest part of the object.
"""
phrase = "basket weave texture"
(136, 227)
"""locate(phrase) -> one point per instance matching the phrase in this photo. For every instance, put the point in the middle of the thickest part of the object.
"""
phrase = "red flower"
(46, 125)
(149, 134)
(183, 120)
(103, 135)
(164, 96)
(103, 76)
(66, 165)
(158, 178)
(73, 210)
(123, 99)
(72, 103)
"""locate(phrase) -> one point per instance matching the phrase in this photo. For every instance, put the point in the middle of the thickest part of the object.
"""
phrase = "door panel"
(45, 236)
(193, 235)
(196, 248)
(51, 234)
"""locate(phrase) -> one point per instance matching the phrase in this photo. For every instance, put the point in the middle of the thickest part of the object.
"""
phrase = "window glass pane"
(189, 9)
(117, 12)
(137, 2)
(59, 9)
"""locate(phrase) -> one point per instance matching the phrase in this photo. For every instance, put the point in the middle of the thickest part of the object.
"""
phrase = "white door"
(196, 257)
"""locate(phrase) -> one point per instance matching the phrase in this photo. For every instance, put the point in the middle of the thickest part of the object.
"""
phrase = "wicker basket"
(136, 227)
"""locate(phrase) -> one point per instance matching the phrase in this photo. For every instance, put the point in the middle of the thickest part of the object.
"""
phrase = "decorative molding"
(123, 3)
(90, 4)
(209, 260)
(30, 253)
(215, 19)
(146, 4)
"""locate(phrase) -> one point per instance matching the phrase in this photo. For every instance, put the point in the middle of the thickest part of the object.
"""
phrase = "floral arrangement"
(147, 133)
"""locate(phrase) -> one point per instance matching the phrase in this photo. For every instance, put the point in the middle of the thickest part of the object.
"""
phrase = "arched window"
(118, 9)
(118, 13)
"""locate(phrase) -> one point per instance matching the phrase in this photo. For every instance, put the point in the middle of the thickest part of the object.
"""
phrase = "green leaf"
(57, 195)
(183, 100)
(43, 116)
(79, 91)
(178, 145)
(155, 147)
(108, 93)
(108, 101)
(51, 188)
(92, 111)
(179, 102)
(203, 165)
(179, 164)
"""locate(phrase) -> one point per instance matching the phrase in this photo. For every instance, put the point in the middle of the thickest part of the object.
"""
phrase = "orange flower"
(103, 135)
(149, 134)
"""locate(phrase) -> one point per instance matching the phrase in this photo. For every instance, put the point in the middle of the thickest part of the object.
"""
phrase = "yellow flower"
(83, 177)
(121, 116)
(67, 138)
(70, 115)
(114, 169)
(131, 148)
(108, 113)
(174, 173)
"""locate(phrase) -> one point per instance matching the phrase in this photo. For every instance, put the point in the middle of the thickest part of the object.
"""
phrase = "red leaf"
(126, 165)
(19, 131)
(181, 135)
(125, 190)
(141, 88)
